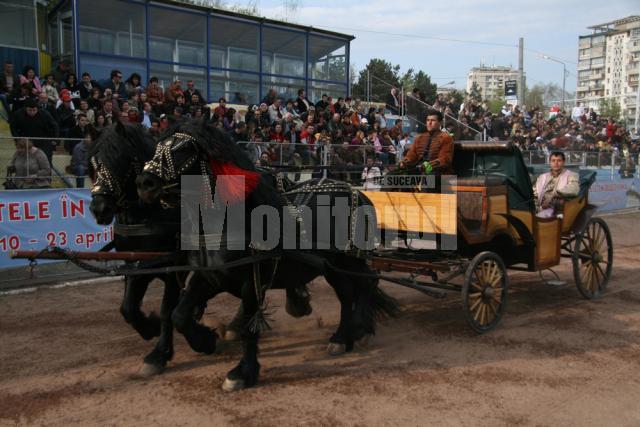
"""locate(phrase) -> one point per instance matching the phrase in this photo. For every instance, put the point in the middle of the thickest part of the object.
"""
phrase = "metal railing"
(31, 173)
(605, 160)
(302, 161)
(405, 115)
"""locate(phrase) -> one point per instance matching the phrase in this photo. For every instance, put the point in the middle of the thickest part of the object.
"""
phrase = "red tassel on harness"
(229, 180)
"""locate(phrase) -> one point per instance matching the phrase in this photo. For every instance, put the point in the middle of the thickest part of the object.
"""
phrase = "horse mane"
(216, 143)
(122, 141)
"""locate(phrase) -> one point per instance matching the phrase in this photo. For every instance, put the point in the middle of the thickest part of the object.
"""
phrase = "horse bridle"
(162, 166)
(104, 179)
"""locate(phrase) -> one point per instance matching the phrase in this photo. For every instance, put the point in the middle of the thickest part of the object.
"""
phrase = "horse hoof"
(231, 335)
(232, 385)
(298, 307)
(364, 342)
(149, 370)
(335, 349)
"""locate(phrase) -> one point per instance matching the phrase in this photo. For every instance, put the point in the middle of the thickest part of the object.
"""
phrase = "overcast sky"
(549, 26)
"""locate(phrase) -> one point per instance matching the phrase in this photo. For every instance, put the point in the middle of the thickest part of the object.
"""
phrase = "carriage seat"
(472, 194)
(480, 181)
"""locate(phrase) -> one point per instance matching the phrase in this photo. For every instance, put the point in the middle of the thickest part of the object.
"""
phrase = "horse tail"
(383, 305)
(372, 305)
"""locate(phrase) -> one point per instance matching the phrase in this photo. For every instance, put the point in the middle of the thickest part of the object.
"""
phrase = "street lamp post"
(564, 75)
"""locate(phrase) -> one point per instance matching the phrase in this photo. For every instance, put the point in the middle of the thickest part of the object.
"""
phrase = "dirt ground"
(67, 357)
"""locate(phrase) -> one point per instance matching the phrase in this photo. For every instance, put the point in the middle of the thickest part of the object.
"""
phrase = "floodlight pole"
(564, 75)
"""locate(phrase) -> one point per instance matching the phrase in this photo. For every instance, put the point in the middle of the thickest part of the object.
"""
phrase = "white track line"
(69, 284)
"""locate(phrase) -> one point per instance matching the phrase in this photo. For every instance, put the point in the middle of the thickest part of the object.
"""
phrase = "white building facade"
(608, 66)
(490, 80)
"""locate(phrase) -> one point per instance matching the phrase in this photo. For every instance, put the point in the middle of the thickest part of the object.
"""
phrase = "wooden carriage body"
(488, 206)
(489, 212)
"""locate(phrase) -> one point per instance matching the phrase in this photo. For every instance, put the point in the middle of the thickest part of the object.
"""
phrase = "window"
(335, 91)
(100, 67)
(236, 88)
(115, 28)
(176, 36)
(168, 73)
(327, 59)
(283, 52)
(286, 88)
(18, 23)
(234, 44)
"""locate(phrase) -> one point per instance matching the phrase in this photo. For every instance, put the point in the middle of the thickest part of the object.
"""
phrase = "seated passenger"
(431, 151)
(553, 188)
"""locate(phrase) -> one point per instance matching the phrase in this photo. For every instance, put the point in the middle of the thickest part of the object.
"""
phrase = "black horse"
(116, 157)
(197, 148)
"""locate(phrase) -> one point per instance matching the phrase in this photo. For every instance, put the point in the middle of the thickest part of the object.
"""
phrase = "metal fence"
(301, 161)
(31, 173)
(606, 160)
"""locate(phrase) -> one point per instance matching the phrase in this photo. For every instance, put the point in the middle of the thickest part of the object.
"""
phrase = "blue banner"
(34, 219)
(612, 193)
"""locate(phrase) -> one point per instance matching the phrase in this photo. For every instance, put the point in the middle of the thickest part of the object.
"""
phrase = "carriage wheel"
(593, 258)
(484, 292)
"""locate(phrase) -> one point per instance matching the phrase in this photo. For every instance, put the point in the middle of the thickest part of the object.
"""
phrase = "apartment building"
(491, 80)
(608, 65)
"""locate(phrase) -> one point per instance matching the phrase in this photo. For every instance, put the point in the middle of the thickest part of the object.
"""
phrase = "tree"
(475, 92)
(534, 97)
(545, 95)
(422, 81)
(610, 107)
(381, 74)
(250, 9)
(457, 96)
(496, 104)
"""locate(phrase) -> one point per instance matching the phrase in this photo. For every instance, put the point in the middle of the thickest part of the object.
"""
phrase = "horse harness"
(156, 166)
(304, 194)
(104, 178)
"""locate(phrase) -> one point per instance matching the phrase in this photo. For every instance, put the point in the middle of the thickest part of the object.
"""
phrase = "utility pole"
(521, 71)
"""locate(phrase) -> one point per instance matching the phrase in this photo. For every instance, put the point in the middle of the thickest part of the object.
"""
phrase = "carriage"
(484, 225)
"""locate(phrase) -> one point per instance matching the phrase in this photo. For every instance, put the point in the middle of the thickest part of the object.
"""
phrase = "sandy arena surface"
(67, 357)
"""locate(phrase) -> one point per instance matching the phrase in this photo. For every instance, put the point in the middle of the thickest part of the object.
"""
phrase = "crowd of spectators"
(532, 129)
(342, 132)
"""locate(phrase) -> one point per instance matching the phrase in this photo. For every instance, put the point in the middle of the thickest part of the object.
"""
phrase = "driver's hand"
(426, 167)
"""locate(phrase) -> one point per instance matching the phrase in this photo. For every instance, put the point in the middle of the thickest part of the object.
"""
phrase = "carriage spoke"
(475, 295)
(602, 273)
(476, 311)
(479, 281)
(594, 236)
(483, 311)
(584, 269)
(585, 254)
(587, 238)
(484, 273)
(496, 273)
(590, 283)
(475, 305)
(493, 309)
(496, 281)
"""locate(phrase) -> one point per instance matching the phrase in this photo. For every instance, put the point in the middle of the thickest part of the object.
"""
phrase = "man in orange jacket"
(432, 151)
